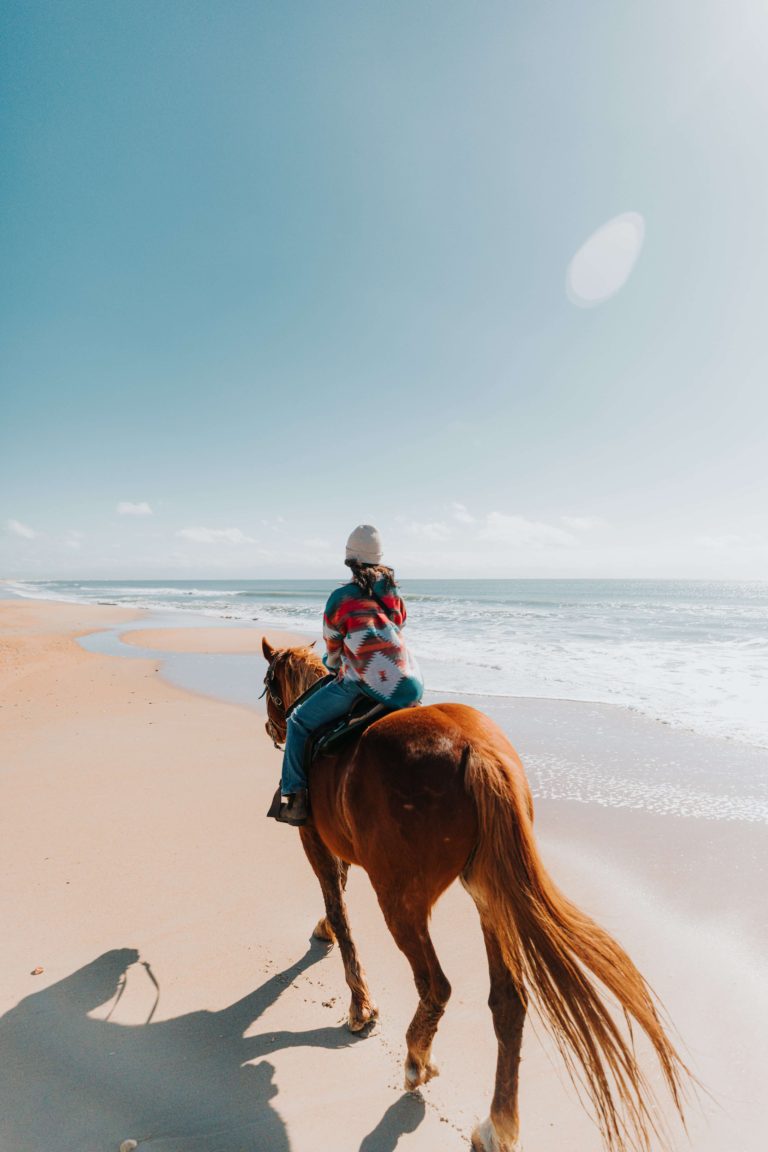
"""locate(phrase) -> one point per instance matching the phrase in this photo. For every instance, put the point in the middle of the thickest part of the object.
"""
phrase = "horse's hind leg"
(332, 874)
(500, 1132)
(408, 923)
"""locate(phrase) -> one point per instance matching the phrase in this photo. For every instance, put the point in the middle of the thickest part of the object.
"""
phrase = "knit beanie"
(364, 545)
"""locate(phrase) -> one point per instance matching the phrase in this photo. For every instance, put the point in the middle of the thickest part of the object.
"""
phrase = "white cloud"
(522, 533)
(433, 530)
(215, 535)
(16, 528)
(316, 542)
(583, 523)
(73, 540)
(128, 508)
(462, 513)
(729, 541)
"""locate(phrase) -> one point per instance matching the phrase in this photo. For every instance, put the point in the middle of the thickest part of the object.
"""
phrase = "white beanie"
(364, 545)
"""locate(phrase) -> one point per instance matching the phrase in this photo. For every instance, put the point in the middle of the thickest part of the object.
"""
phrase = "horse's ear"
(267, 649)
(312, 644)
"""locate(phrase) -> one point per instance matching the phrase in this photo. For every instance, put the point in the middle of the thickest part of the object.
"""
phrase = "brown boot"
(294, 809)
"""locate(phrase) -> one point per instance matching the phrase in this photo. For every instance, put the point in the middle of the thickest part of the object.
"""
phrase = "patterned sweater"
(365, 643)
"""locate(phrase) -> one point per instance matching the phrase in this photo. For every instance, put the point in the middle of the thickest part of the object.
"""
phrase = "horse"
(429, 794)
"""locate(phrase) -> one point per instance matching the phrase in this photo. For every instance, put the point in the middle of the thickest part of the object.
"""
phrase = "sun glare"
(604, 263)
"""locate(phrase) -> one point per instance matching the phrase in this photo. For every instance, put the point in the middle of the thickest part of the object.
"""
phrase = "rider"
(365, 649)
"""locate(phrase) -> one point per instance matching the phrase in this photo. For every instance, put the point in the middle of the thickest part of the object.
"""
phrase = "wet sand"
(210, 641)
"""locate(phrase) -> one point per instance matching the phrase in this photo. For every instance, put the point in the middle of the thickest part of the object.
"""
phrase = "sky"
(491, 277)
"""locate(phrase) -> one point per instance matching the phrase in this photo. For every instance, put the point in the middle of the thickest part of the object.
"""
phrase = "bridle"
(271, 692)
(269, 685)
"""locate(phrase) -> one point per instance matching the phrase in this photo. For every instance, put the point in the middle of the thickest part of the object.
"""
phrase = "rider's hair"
(366, 575)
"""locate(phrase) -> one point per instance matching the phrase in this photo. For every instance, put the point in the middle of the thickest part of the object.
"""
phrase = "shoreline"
(211, 658)
(175, 639)
(149, 634)
(571, 748)
(238, 638)
(698, 678)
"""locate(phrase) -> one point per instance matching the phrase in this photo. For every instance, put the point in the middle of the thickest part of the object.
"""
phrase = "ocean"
(693, 654)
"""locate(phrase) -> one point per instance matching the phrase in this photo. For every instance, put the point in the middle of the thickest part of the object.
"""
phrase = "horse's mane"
(301, 668)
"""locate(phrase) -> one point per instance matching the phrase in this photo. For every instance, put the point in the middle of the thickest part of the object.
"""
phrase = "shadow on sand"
(71, 1083)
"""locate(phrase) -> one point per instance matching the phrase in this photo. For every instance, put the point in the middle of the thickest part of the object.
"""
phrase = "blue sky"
(274, 269)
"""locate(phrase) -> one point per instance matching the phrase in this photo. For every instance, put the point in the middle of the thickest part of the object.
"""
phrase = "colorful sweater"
(364, 642)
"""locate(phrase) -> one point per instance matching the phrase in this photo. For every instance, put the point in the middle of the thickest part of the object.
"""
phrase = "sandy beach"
(182, 1003)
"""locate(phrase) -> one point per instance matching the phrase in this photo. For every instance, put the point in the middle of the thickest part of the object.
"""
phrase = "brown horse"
(433, 793)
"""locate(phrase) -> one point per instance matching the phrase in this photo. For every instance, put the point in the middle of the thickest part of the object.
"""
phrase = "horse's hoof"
(323, 931)
(418, 1074)
(358, 1020)
(485, 1138)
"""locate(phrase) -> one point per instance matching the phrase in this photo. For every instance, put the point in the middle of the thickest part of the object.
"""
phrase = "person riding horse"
(365, 649)
(428, 795)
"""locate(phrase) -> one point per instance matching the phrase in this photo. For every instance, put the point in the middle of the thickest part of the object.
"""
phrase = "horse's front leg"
(323, 930)
(332, 874)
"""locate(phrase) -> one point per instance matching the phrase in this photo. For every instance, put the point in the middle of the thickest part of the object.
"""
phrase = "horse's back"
(416, 741)
(398, 804)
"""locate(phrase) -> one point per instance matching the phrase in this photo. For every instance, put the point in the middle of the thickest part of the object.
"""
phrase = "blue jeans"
(328, 703)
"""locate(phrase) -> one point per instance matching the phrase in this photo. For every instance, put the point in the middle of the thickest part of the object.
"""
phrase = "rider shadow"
(73, 1082)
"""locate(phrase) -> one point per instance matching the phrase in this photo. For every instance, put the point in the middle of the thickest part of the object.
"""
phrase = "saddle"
(334, 735)
(345, 729)
(363, 713)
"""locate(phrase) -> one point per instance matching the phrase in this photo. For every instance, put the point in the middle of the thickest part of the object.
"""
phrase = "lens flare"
(604, 263)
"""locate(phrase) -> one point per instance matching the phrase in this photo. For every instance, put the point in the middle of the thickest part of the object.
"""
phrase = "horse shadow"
(72, 1083)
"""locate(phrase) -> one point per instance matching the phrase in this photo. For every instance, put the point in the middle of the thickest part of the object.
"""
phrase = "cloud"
(73, 539)
(729, 541)
(128, 508)
(583, 523)
(316, 542)
(215, 535)
(462, 514)
(16, 528)
(522, 533)
(433, 530)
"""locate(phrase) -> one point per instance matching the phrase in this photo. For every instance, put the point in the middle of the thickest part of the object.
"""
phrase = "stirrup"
(294, 810)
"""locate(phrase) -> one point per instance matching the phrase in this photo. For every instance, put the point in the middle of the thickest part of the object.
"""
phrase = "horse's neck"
(305, 673)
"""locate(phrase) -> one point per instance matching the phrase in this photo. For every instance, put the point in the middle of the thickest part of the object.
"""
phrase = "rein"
(310, 691)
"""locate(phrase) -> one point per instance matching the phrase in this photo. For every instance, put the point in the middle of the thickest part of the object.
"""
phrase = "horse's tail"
(554, 951)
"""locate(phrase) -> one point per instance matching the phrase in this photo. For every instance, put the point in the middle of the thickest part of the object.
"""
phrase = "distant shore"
(133, 818)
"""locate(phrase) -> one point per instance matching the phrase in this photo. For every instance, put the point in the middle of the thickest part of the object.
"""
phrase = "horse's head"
(290, 671)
